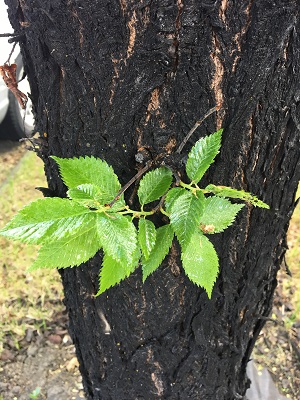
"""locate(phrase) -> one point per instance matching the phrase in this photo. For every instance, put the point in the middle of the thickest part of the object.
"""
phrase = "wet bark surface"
(114, 78)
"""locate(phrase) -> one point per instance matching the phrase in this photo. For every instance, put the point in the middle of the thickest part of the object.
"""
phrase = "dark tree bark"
(110, 77)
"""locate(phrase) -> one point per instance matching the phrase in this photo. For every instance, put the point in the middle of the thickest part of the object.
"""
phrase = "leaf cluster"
(95, 216)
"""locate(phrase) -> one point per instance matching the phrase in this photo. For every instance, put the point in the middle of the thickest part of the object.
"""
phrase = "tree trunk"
(111, 78)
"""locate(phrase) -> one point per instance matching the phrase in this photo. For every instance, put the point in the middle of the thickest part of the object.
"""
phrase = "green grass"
(293, 255)
(293, 261)
(27, 300)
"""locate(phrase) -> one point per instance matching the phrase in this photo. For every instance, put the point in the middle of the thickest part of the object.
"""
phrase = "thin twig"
(10, 54)
(198, 123)
(8, 34)
(160, 204)
(129, 183)
(17, 38)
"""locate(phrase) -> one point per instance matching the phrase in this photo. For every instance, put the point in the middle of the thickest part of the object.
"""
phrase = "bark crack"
(180, 6)
(153, 106)
(123, 6)
(74, 14)
(222, 10)
(115, 77)
(217, 79)
(132, 35)
(155, 376)
(123, 58)
(238, 37)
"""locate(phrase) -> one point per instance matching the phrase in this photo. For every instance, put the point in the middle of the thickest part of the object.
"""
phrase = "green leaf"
(89, 170)
(218, 214)
(118, 237)
(146, 236)
(70, 251)
(173, 195)
(185, 216)
(113, 272)
(224, 191)
(46, 220)
(87, 194)
(154, 185)
(202, 155)
(200, 262)
(164, 239)
(91, 196)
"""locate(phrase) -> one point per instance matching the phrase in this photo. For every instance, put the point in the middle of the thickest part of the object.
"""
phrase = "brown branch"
(160, 204)
(10, 54)
(197, 124)
(129, 183)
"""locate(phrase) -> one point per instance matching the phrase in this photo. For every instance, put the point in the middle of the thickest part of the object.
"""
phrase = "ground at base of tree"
(277, 348)
(45, 363)
(47, 360)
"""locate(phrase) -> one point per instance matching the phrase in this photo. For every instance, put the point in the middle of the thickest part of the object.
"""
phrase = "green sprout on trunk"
(95, 216)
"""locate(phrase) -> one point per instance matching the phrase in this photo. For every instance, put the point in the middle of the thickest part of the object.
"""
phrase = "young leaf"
(164, 239)
(224, 191)
(200, 262)
(185, 216)
(46, 219)
(91, 196)
(202, 155)
(89, 170)
(173, 195)
(218, 214)
(113, 272)
(154, 185)
(146, 236)
(70, 251)
(118, 237)
(87, 194)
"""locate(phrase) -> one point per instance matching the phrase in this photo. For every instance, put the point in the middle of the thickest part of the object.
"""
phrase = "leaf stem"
(188, 186)
(185, 185)
(137, 214)
(164, 212)
(193, 187)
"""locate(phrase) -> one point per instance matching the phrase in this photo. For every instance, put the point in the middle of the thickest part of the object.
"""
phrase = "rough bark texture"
(110, 77)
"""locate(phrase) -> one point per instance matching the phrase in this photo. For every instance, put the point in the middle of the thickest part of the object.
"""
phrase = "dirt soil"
(45, 358)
